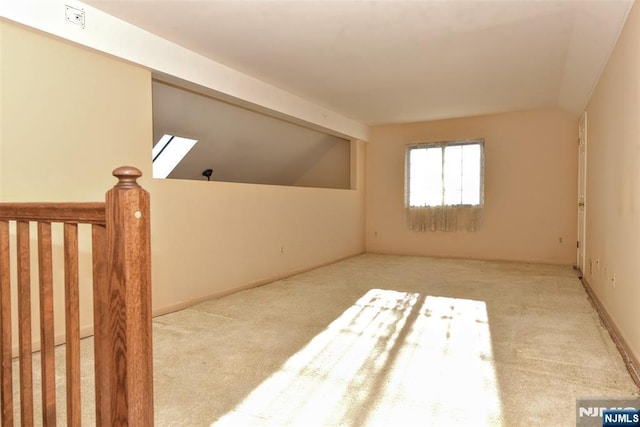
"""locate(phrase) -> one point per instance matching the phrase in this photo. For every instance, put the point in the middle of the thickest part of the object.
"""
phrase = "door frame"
(582, 192)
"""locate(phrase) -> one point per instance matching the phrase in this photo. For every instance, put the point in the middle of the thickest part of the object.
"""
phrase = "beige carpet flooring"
(381, 340)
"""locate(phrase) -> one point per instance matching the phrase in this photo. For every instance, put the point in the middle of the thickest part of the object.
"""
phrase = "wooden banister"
(121, 256)
(47, 336)
(24, 322)
(84, 213)
(128, 305)
(72, 322)
(6, 370)
(101, 325)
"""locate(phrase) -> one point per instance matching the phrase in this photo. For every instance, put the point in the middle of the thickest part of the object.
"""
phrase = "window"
(445, 185)
(168, 152)
(445, 174)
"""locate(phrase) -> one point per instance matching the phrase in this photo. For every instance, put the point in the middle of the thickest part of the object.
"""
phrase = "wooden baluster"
(129, 264)
(72, 323)
(47, 344)
(6, 374)
(24, 323)
(101, 325)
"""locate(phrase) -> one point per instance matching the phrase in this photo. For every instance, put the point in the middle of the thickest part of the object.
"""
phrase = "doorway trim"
(582, 192)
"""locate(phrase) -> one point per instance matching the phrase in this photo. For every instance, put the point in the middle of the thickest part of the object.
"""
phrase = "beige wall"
(613, 185)
(530, 188)
(330, 169)
(70, 116)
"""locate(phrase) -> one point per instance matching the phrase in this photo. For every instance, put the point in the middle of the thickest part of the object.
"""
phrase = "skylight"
(168, 152)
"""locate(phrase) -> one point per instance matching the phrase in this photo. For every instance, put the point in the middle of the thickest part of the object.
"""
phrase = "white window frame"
(443, 145)
(168, 153)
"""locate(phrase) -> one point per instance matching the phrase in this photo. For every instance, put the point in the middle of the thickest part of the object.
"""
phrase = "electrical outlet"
(75, 16)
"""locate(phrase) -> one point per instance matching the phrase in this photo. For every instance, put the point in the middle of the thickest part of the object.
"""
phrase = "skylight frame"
(168, 153)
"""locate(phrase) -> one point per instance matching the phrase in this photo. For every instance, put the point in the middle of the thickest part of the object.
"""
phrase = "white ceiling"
(400, 61)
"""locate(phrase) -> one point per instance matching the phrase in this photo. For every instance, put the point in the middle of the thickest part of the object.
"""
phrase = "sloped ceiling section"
(248, 147)
(401, 61)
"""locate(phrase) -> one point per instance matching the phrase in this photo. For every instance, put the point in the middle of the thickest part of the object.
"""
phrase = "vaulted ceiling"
(400, 61)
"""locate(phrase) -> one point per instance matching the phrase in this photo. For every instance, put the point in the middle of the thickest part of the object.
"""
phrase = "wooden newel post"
(126, 380)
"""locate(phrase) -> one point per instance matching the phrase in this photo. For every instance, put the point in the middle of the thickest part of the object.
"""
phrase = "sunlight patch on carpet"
(393, 358)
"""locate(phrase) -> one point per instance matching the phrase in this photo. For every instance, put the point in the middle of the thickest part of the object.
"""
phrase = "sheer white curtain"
(445, 186)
